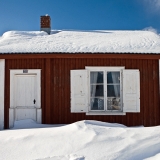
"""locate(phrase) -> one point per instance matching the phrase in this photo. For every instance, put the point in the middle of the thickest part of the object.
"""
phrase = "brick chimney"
(46, 23)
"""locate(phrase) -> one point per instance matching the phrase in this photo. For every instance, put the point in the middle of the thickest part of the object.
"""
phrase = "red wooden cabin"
(63, 87)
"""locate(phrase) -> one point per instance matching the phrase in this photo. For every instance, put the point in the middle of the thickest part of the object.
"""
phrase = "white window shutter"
(131, 91)
(79, 91)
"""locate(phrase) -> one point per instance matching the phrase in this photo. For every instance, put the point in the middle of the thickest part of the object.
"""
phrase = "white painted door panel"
(25, 90)
(21, 114)
(25, 93)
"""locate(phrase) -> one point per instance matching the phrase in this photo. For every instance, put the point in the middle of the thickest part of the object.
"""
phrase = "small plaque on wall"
(25, 70)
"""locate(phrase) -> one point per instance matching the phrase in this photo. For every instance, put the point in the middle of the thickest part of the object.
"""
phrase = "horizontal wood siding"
(55, 84)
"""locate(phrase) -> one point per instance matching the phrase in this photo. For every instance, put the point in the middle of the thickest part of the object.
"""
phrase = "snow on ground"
(80, 41)
(83, 140)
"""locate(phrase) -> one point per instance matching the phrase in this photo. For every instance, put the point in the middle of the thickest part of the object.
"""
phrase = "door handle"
(34, 101)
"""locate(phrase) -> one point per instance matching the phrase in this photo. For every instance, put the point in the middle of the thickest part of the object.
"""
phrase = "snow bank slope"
(84, 140)
(80, 41)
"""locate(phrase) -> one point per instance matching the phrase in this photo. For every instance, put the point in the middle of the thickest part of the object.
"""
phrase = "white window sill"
(105, 113)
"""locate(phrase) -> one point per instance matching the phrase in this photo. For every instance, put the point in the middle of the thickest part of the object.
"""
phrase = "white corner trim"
(2, 78)
(159, 76)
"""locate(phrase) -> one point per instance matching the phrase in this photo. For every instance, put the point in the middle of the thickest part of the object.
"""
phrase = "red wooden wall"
(55, 85)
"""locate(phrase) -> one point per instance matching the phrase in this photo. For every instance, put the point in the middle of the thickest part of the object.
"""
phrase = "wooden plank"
(142, 99)
(150, 92)
(51, 92)
(129, 116)
(7, 96)
(53, 87)
(147, 114)
(59, 91)
(152, 101)
(158, 98)
(65, 68)
(56, 90)
(155, 86)
(47, 91)
(43, 89)
(158, 91)
(62, 89)
(144, 83)
(2, 96)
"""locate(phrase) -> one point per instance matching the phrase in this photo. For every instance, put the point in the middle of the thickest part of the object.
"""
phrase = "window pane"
(113, 90)
(97, 104)
(113, 77)
(97, 91)
(113, 104)
(96, 77)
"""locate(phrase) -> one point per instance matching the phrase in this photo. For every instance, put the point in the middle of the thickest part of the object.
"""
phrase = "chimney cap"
(46, 15)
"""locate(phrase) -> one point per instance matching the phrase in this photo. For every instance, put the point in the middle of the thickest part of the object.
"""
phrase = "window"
(96, 91)
(105, 91)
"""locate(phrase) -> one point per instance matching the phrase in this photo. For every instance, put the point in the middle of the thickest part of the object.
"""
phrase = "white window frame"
(105, 70)
(129, 87)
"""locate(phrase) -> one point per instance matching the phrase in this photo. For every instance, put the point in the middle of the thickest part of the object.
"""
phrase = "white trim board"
(2, 78)
(13, 108)
(159, 76)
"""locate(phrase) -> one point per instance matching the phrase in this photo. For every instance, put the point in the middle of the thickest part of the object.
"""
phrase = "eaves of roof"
(119, 55)
(77, 53)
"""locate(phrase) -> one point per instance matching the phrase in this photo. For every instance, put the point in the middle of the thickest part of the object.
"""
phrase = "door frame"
(12, 109)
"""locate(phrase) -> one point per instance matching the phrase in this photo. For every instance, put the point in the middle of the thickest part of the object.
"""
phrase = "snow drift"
(83, 140)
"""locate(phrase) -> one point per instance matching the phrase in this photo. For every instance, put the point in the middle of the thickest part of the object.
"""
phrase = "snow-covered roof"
(71, 41)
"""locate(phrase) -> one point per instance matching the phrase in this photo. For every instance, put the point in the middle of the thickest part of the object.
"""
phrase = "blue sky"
(25, 15)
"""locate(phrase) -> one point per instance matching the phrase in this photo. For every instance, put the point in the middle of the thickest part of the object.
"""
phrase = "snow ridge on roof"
(74, 41)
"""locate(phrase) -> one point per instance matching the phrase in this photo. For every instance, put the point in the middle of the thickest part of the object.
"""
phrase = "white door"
(25, 97)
